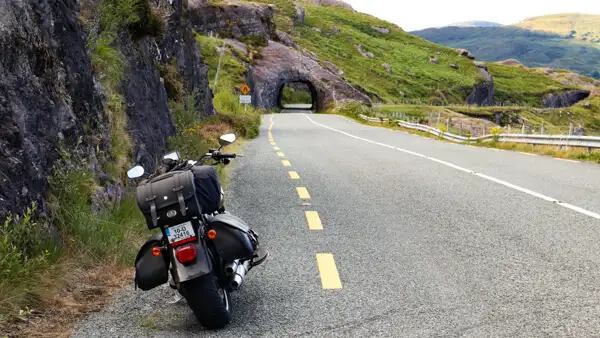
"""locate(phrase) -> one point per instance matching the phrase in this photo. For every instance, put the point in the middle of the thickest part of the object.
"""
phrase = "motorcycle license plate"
(180, 232)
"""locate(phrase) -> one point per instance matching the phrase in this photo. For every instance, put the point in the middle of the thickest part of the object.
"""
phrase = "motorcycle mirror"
(226, 139)
(135, 172)
(172, 156)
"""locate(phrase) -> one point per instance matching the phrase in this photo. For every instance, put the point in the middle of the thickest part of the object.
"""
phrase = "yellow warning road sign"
(245, 89)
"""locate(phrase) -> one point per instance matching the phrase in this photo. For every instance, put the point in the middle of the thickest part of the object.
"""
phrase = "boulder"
(333, 68)
(300, 14)
(364, 54)
(317, 29)
(466, 53)
(434, 60)
(286, 39)
(566, 99)
(483, 91)
(233, 20)
(280, 64)
(381, 30)
(387, 67)
(452, 65)
(480, 64)
(587, 105)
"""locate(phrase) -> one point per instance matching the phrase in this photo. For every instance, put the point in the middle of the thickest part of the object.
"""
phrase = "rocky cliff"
(47, 94)
(566, 99)
(50, 99)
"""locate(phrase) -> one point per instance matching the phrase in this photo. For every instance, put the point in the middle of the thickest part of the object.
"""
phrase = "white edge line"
(489, 178)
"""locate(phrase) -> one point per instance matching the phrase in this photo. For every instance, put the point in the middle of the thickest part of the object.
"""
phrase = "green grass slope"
(532, 48)
(584, 27)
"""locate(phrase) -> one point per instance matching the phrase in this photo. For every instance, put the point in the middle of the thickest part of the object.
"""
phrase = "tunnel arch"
(311, 88)
(279, 64)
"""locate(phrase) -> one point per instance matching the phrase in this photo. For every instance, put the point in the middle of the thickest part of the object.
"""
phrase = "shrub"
(26, 246)
(172, 80)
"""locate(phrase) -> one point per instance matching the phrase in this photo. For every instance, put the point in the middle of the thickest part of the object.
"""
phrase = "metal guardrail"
(554, 140)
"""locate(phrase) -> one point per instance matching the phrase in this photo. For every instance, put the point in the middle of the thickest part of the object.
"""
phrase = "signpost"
(245, 99)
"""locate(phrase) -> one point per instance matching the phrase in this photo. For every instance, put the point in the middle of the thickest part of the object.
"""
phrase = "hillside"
(584, 27)
(533, 49)
(333, 34)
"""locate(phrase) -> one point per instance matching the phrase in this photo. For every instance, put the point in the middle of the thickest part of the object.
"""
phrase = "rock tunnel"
(281, 66)
(299, 95)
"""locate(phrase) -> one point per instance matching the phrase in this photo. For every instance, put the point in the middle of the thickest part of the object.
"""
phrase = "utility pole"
(219, 67)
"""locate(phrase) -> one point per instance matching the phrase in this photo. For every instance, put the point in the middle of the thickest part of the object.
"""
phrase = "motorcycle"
(207, 251)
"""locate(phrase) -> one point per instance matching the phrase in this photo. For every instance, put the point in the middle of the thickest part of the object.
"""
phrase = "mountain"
(475, 24)
(566, 41)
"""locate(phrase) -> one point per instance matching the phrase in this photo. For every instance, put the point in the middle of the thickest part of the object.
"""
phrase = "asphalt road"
(427, 238)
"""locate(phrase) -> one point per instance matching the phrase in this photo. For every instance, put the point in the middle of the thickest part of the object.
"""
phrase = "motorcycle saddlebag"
(235, 240)
(168, 199)
(150, 271)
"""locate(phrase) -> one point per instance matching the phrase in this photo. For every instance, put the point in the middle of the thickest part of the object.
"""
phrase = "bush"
(172, 80)
(26, 246)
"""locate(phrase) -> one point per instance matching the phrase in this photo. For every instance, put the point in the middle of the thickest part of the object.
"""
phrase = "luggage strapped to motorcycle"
(178, 188)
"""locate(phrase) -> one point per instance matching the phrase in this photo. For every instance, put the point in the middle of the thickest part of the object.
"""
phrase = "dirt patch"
(84, 291)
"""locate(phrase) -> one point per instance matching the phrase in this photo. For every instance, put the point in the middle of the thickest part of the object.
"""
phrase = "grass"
(293, 96)
(353, 110)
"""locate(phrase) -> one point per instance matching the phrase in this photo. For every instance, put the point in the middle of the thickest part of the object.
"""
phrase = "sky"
(415, 15)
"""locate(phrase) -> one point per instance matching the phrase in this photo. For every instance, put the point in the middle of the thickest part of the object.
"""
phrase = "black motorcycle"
(207, 250)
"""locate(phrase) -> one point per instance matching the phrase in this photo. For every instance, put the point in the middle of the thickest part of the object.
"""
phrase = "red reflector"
(186, 253)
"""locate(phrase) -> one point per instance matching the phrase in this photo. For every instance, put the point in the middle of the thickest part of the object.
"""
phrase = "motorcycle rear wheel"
(209, 302)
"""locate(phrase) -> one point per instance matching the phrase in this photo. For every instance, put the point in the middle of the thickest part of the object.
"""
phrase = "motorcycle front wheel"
(208, 301)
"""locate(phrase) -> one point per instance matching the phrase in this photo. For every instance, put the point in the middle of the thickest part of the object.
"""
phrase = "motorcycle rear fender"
(201, 266)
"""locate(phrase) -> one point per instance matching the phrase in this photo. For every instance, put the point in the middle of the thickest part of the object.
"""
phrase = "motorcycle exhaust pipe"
(231, 267)
(240, 275)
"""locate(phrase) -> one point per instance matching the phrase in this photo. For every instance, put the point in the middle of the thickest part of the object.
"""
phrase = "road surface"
(399, 236)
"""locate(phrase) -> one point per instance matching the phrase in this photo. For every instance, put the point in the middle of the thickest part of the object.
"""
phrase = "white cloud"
(414, 15)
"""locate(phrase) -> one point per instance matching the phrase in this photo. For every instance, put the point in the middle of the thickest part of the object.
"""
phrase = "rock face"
(286, 39)
(483, 92)
(179, 43)
(47, 92)
(333, 68)
(565, 99)
(232, 19)
(280, 64)
(300, 14)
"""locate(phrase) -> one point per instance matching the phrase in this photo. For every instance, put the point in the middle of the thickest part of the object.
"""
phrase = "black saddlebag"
(235, 240)
(150, 271)
(169, 199)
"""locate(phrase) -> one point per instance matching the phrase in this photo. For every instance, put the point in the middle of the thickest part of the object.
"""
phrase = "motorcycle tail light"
(186, 253)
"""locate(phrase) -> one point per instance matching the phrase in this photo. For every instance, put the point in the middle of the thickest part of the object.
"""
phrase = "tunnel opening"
(297, 95)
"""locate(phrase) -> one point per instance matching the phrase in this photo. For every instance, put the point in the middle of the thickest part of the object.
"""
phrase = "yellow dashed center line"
(313, 220)
(276, 148)
(328, 271)
(272, 143)
(280, 154)
(286, 163)
(294, 175)
(303, 193)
